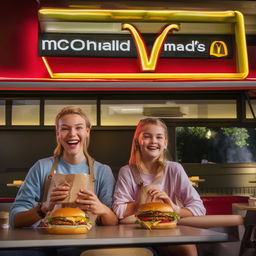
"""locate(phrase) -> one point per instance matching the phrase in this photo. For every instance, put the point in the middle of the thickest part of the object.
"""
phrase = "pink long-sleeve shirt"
(175, 183)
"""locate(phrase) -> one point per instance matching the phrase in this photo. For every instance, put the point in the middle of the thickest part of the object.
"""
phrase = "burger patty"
(61, 221)
(152, 213)
(156, 218)
(155, 215)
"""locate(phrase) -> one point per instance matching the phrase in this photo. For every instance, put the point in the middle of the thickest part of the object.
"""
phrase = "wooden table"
(243, 206)
(128, 235)
(249, 237)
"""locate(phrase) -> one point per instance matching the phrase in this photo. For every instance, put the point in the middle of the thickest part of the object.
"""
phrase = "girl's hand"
(57, 196)
(88, 201)
(159, 194)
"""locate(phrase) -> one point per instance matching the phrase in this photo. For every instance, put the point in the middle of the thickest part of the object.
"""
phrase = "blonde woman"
(150, 172)
(70, 157)
(72, 135)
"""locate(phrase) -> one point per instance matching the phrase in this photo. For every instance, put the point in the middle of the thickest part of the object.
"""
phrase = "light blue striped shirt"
(31, 191)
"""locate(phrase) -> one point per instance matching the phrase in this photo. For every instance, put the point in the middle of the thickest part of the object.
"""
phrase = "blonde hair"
(72, 110)
(135, 156)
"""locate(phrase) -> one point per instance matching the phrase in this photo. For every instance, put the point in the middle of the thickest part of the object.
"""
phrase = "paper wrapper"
(76, 182)
(144, 196)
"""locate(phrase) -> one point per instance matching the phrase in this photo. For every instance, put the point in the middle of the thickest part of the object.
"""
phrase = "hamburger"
(157, 215)
(67, 221)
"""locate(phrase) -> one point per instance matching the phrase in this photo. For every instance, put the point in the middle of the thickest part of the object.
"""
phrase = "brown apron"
(74, 181)
(143, 196)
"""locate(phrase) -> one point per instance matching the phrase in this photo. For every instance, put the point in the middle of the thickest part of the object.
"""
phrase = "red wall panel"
(19, 58)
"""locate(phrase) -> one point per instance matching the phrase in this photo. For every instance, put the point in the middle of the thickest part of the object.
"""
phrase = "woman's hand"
(57, 196)
(88, 201)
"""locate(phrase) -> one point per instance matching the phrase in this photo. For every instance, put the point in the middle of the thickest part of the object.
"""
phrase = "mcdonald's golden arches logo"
(218, 49)
(148, 61)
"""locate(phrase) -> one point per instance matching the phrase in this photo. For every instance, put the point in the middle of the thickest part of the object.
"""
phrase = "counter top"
(129, 234)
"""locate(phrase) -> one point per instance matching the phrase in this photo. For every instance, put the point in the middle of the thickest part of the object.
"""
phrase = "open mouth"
(153, 148)
(72, 143)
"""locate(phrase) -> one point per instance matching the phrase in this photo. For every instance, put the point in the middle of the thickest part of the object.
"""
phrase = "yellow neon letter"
(149, 63)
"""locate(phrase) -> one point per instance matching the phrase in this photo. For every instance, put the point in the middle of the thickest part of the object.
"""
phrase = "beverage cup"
(4, 220)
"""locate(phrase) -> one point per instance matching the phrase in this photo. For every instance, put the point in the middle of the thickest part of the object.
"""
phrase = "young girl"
(161, 179)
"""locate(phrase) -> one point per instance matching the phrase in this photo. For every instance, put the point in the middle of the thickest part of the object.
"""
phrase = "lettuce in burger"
(67, 221)
(157, 215)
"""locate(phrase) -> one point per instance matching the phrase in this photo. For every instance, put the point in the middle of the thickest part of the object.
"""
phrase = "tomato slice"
(145, 218)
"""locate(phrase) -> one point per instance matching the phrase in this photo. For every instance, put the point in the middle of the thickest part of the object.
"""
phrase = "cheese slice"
(75, 219)
(147, 224)
(155, 223)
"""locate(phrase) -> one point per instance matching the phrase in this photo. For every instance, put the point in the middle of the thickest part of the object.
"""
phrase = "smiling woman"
(72, 131)
(41, 194)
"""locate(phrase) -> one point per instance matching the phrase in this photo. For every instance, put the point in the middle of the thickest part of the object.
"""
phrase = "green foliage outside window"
(219, 145)
(238, 135)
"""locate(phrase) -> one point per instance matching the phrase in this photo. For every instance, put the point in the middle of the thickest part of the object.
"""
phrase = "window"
(2, 112)
(248, 109)
(25, 112)
(52, 107)
(124, 112)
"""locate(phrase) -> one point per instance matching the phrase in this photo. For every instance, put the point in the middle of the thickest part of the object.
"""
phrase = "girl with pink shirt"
(151, 174)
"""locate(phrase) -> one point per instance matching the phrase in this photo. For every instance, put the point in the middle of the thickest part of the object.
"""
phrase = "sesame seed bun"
(68, 212)
(155, 206)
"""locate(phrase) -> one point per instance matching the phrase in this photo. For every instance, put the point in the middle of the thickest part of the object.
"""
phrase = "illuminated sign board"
(116, 46)
(157, 55)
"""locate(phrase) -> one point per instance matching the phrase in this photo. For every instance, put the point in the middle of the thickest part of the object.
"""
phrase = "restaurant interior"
(211, 124)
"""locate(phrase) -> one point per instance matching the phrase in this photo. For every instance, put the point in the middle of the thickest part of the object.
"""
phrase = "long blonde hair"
(135, 156)
(72, 110)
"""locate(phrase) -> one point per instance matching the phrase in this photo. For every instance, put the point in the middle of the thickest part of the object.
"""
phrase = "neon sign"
(148, 62)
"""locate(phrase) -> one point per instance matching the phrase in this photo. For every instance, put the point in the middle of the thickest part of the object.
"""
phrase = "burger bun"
(68, 213)
(155, 206)
(66, 230)
(167, 225)
(151, 210)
